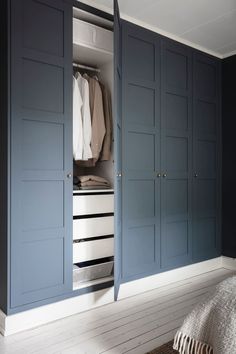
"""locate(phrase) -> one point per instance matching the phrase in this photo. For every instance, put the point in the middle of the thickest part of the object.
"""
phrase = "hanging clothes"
(97, 117)
(107, 107)
(77, 122)
(86, 116)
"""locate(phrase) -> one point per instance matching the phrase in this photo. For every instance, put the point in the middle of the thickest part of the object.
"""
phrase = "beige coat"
(107, 107)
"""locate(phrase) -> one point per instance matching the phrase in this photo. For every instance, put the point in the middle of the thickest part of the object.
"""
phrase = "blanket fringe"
(186, 345)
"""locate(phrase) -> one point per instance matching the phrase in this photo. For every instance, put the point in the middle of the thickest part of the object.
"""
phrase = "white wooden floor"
(134, 325)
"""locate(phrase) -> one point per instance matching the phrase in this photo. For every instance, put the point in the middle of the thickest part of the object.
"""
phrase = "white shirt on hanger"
(77, 122)
(86, 116)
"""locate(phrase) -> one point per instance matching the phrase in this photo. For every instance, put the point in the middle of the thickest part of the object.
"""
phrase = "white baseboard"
(228, 263)
(36, 317)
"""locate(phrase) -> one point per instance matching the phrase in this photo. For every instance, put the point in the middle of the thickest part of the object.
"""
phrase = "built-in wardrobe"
(171, 154)
(162, 209)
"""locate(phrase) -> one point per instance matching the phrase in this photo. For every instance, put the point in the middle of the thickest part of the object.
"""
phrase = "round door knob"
(195, 175)
(69, 175)
(164, 175)
(158, 175)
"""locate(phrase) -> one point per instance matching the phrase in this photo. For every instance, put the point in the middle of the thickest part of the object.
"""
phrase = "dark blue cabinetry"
(41, 130)
(171, 161)
(206, 157)
(141, 152)
(167, 154)
(176, 155)
(4, 151)
(229, 166)
(118, 145)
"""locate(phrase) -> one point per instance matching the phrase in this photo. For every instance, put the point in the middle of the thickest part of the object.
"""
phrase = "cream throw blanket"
(211, 327)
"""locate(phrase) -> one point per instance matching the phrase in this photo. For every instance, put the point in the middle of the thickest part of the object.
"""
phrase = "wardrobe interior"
(93, 176)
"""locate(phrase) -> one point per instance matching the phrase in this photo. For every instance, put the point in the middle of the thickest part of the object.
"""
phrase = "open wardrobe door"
(118, 147)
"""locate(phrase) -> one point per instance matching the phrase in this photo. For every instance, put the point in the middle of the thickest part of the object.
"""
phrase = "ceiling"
(209, 25)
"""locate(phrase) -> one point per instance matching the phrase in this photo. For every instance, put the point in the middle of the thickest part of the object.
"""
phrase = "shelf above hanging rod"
(85, 67)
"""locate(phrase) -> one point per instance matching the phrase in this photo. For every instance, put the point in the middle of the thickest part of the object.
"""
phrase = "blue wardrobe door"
(206, 157)
(4, 139)
(118, 146)
(141, 152)
(41, 150)
(176, 155)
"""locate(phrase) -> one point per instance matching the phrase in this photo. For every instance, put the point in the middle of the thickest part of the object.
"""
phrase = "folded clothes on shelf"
(93, 178)
(94, 187)
(92, 182)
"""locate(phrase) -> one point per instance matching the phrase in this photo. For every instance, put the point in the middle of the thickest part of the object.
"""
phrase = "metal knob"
(119, 174)
(195, 175)
(164, 175)
(69, 175)
(158, 175)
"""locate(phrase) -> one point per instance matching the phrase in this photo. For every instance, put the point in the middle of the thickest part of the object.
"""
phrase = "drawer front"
(87, 251)
(92, 272)
(91, 35)
(86, 228)
(93, 204)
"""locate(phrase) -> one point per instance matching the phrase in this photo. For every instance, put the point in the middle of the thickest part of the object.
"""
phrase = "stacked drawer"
(93, 233)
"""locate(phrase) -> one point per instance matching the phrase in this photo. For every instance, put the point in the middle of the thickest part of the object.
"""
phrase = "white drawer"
(90, 35)
(93, 227)
(91, 272)
(93, 204)
(87, 251)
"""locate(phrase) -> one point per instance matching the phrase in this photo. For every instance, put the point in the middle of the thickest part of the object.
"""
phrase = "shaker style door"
(118, 146)
(141, 152)
(41, 150)
(206, 157)
(176, 155)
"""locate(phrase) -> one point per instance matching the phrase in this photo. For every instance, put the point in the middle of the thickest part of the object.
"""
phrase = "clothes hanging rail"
(85, 67)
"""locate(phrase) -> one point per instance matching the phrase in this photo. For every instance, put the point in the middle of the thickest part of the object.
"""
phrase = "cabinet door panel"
(206, 157)
(141, 152)
(41, 153)
(176, 155)
(53, 31)
(140, 105)
(42, 86)
(139, 254)
(144, 53)
(42, 145)
(177, 66)
(118, 146)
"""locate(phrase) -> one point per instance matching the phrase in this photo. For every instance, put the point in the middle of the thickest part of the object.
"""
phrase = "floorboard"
(135, 325)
